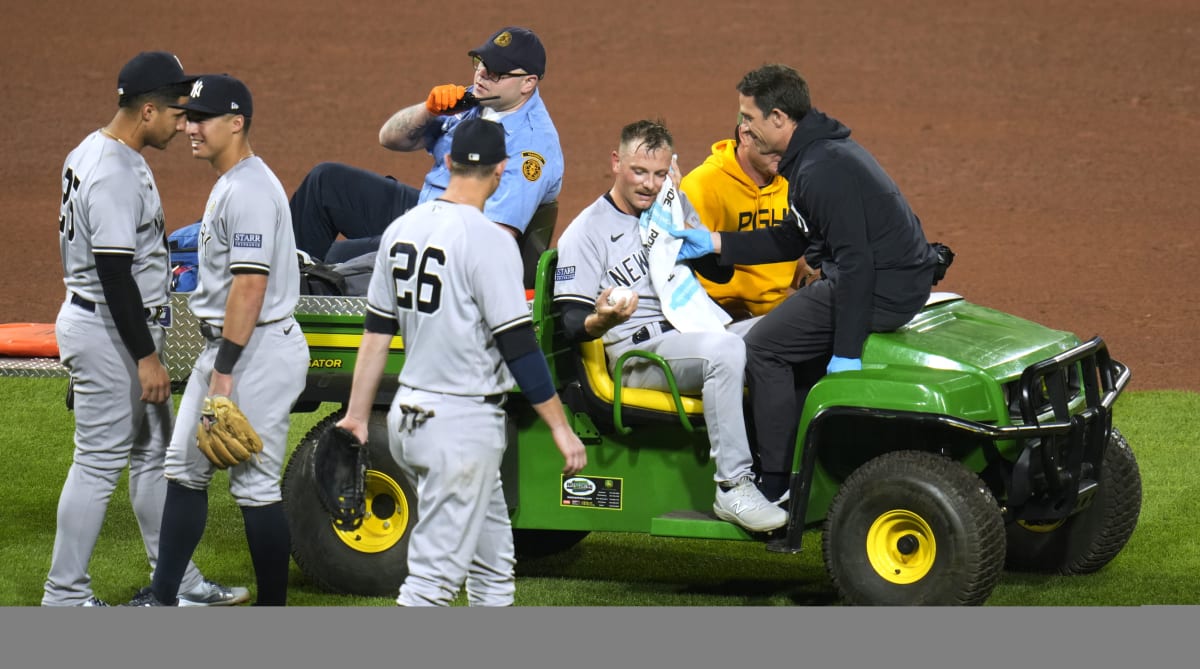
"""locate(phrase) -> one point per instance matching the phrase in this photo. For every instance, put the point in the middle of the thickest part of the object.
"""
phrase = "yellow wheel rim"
(901, 547)
(387, 516)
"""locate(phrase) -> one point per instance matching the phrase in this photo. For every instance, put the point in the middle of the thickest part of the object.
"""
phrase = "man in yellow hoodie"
(734, 189)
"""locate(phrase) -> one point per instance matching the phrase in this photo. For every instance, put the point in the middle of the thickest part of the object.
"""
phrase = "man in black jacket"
(848, 218)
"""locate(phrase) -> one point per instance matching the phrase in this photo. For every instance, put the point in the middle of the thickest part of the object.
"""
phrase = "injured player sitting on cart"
(622, 240)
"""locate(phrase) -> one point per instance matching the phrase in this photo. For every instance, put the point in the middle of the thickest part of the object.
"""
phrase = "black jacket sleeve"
(777, 243)
(711, 268)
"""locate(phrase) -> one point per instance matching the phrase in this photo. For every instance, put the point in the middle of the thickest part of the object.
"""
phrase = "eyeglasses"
(495, 77)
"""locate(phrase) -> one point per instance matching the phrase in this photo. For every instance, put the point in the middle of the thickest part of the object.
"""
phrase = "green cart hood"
(954, 334)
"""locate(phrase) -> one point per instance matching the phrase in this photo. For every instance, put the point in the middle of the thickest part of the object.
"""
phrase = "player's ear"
(616, 162)
(499, 170)
(238, 122)
(148, 111)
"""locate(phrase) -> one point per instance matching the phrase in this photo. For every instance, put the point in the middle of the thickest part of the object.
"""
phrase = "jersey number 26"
(417, 279)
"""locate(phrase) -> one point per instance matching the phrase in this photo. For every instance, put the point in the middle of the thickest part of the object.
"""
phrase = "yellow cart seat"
(635, 403)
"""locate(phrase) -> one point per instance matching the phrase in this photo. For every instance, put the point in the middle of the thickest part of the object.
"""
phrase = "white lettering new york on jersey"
(602, 247)
(247, 225)
(452, 280)
(110, 205)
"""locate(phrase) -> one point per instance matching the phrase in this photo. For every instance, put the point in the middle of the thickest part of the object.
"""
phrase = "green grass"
(1160, 566)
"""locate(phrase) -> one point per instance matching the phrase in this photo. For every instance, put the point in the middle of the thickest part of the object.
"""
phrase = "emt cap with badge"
(150, 71)
(219, 94)
(513, 48)
(478, 142)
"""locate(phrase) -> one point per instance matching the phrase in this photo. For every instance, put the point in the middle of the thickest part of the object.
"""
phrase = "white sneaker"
(745, 505)
(209, 593)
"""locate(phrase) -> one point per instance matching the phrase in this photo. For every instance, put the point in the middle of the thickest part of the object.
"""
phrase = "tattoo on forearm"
(415, 133)
(407, 126)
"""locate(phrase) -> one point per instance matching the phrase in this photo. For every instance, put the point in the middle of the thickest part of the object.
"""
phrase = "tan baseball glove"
(225, 435)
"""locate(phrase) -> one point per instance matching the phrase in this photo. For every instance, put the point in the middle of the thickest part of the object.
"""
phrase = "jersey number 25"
(66, 218)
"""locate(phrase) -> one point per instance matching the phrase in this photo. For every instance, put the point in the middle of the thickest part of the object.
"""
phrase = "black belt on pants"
(644, 332)
(87, 305)
(213, 332)
(210, 332)
(493, 399)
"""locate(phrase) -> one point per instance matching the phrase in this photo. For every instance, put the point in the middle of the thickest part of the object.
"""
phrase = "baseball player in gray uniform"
(602, 249)
(249, 283)
(114, 255)
(449, 281)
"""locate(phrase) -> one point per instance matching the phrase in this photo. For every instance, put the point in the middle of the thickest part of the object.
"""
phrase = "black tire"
(1091, 538)
(533, 544)
(910, 528)
(372, 560)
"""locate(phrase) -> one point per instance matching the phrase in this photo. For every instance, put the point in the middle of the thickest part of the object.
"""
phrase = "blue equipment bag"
(184, 245)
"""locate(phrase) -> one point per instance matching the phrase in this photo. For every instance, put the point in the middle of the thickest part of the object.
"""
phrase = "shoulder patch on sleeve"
(531, 165)
(564, 273)
(247, 240)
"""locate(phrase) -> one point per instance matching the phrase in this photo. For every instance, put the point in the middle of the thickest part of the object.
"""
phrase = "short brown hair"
(648, 135)
(777, 87)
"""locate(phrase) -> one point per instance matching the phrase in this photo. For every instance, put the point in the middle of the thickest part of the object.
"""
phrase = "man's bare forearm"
(405, 130)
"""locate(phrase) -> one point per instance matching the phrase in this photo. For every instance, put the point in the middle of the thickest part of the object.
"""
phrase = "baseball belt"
(213, 332)
(89, 306)
(644, 332)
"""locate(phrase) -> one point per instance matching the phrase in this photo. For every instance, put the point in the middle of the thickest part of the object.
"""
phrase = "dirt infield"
(1054, 148)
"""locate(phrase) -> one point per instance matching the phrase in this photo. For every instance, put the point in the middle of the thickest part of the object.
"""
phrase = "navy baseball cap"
(150, 71)
(513, 48)
(478, 142)
(218, 94)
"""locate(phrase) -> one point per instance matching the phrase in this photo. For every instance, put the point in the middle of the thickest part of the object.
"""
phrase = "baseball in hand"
(619, 295)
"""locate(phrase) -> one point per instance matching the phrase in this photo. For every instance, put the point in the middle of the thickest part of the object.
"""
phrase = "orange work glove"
(444, 98)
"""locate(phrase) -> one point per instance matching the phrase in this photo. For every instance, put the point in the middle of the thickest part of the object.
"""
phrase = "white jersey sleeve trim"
(260, 268)
(581, 299)
(113, 251)
(514, 323)
(385, 313)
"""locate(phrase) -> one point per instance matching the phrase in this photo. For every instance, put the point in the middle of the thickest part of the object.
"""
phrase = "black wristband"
(227, 356)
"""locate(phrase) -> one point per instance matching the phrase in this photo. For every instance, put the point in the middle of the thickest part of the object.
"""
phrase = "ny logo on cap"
(196, 88)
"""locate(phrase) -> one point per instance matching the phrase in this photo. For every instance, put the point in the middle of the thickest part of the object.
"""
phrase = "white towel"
(684, 301)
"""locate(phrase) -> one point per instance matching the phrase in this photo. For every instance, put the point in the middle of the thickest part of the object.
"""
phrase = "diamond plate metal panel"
(32, 367)
(331, 306)
(184, 341)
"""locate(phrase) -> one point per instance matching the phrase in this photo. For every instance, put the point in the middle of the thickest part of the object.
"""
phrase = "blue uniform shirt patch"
(564, 273)
(247, 240)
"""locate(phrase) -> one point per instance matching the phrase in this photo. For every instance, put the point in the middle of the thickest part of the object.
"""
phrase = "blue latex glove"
(696, 243)
(837, 364)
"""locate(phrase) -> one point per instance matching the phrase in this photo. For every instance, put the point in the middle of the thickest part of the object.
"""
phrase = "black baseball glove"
(340, 468)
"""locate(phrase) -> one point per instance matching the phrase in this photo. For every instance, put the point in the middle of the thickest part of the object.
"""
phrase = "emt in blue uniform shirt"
(338, 199)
